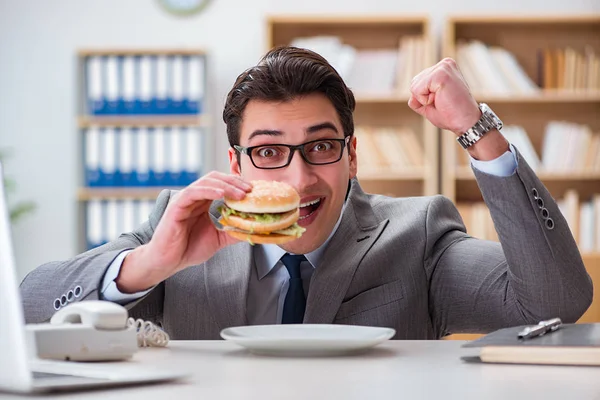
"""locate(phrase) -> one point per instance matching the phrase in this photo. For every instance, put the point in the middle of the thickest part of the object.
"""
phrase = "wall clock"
(184, 7)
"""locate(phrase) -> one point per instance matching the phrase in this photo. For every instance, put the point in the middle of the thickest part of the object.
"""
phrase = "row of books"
(478, 220)
(106, 220)
(492, 69)
(372, 71)
(567, 68)
(145, 85)
(570, 147)
(142, 156)
(566, 147)
(583, 219)
(383, 150)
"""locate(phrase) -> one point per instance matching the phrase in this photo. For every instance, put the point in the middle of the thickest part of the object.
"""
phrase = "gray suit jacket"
(405, 263)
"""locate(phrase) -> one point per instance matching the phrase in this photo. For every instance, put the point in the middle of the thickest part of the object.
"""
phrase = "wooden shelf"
(407, 174)
(591, 256)
(512, 19)
(149, 193)
(544, 96)
(391, 98)
(137, 121)
(466, 173)
(336, 19)
(361, 32)
(140, 52)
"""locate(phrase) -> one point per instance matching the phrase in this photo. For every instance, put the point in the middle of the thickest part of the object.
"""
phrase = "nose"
(299, 173)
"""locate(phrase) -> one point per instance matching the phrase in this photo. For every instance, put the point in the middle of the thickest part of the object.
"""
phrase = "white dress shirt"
(269, 280)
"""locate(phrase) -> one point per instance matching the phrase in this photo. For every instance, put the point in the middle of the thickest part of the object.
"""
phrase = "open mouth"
(308, 208)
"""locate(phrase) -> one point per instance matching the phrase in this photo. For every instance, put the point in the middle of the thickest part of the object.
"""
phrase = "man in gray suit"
(405, 263)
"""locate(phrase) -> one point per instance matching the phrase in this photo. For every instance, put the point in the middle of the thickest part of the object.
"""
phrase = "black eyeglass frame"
(300, 147)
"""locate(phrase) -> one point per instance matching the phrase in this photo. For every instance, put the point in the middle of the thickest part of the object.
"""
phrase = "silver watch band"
(486, 123)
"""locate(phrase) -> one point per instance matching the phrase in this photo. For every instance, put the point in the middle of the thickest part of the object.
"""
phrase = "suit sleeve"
(43, 288)
(534, 273)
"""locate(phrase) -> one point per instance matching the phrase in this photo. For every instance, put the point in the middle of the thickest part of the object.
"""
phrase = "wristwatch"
(488, 121)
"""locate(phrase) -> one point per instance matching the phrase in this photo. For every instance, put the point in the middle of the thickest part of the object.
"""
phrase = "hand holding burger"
(267, 214)
(184, 236)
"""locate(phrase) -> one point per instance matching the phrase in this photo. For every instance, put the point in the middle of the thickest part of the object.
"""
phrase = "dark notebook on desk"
(571, 344)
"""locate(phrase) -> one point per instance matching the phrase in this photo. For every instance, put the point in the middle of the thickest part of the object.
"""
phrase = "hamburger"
(267, 214)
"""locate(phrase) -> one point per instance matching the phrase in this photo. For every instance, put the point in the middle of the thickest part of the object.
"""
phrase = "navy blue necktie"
(295, 301)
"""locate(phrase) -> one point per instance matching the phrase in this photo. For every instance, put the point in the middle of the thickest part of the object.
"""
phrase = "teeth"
(310, 203)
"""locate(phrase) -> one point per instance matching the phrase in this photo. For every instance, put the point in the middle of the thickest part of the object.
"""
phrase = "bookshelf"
(381, 42)
(87, 194)
(562, 90)
(142, 125)
(84, 122)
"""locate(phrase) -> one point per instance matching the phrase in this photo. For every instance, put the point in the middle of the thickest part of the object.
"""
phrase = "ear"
(234, 165)
(352, 157)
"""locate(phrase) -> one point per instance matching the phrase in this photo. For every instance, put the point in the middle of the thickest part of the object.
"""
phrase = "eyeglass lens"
(318, 152)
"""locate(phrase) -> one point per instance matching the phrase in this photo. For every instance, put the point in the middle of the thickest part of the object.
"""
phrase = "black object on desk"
(546, 343)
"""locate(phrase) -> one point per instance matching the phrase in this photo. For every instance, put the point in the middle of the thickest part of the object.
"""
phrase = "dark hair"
(283, 74)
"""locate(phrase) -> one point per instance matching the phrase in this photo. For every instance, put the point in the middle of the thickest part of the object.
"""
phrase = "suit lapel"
(359, 229)
(227, 275)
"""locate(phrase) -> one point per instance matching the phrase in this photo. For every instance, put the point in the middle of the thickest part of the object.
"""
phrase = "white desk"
(393, 370)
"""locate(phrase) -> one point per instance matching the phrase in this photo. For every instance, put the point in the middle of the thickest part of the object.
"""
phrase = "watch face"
(183, 7)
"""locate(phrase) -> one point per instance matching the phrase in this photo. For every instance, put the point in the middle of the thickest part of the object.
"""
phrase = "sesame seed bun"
(267, 197)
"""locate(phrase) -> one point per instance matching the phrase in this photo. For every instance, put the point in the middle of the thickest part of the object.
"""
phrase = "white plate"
(307, 339)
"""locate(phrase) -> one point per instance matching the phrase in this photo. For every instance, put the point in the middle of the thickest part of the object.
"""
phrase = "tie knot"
(292, 263)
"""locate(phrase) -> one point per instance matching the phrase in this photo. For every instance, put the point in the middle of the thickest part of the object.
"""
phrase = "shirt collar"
(266, 256)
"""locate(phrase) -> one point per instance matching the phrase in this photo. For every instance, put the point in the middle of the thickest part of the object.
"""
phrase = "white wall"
(38, 43)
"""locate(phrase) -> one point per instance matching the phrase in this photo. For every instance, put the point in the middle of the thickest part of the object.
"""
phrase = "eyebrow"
(310, 129)
(322, 126)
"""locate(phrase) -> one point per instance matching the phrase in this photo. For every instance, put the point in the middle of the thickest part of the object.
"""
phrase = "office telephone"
(93, 330)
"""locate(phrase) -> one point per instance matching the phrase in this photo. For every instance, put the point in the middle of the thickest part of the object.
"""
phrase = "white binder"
(195, 85)
(146, 91)
(113, 95)
(175, 157)
(176, 91)
(94, 228)
(92, 157)
(129, 220)
(112, 220)
(129, 85)
(125, 162)
(162, 85)
(108, 162)
(193, 155)
(95, 92)
(158, 166)
(142, 162)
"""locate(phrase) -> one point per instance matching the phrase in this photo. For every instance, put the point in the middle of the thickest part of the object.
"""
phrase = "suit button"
(63, 300)
(57, 304)
(70, 296)
(545, 213)
(77, 291)
(540, 202)
(535, 193)
(549, 224)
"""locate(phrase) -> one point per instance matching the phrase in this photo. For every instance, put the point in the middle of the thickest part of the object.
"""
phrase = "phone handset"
(109, 316)
(93, 330)
(101, 315)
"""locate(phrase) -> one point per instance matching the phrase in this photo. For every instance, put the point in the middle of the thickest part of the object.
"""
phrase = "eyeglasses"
(315, 152)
